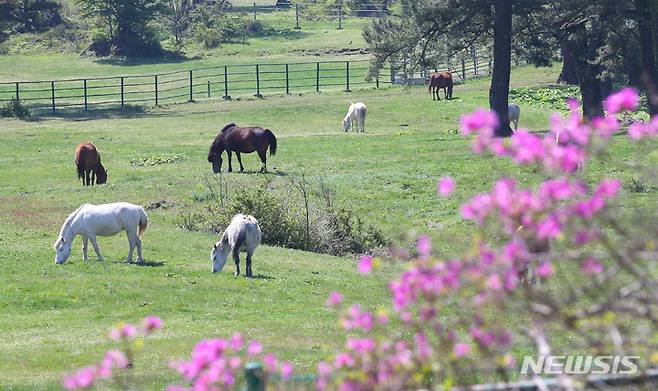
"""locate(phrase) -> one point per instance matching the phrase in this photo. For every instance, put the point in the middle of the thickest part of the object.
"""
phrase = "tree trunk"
(649, 75)
(502, 53)
(590, 89)
(568, 75)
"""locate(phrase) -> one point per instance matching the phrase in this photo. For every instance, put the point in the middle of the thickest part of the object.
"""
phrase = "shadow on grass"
(108, 112)
(166, 58)
(149, 264)
(261, 277)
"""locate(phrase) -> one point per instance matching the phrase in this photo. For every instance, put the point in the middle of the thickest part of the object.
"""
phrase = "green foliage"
(155, 160)
(28, 15)
(128, 24)
(288, 218)
(551, 98)
(15, 109)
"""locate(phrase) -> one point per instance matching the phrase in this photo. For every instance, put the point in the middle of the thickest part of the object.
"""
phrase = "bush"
(289, 217)
(15, 109)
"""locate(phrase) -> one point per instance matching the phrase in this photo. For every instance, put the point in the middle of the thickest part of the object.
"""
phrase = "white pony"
(243, 234)
(90, 221)
(356, 115)
(514, 112)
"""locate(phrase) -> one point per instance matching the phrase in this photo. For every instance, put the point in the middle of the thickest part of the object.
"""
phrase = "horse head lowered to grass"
(233, 138)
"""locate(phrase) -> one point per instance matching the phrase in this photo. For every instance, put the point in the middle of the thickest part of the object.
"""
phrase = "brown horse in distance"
(88, 162)
(440, 80)
(241, 140)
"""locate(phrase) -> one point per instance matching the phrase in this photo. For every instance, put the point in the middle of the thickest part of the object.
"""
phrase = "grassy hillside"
(55, 316)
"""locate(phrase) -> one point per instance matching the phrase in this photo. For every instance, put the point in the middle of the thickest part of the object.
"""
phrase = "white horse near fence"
(90, 221)
(356, 117)
(514, 112)
(242, 234)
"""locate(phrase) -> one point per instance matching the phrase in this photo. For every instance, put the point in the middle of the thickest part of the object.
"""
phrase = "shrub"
(14, 108)
(300, 216)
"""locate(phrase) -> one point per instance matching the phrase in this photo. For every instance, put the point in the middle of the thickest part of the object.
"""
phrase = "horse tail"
(272, 139)
(143, 221)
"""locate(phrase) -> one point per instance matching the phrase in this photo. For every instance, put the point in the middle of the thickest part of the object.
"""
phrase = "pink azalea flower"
(335, 299)
(424, 246)
(446, 186)
(254, 348)
(270, 362)
(625, 99)
(236, 342)
(151, 323)
(545, 269)
(461, 349)
(286, 370)
(591, 266)
(123, 331)
(365, 264)
(478, 120)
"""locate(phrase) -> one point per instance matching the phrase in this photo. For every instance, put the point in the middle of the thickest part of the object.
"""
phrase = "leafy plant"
(15, 109)
(155, 160)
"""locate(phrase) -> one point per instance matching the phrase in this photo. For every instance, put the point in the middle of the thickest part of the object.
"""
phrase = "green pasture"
(55, 317)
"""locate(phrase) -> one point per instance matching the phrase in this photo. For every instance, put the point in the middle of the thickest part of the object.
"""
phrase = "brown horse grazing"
(88, 161)
(241, 140)
(440, 80)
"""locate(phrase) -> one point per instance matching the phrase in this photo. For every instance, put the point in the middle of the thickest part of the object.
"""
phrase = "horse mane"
(227, 126)
(218, 141)
(68, 221)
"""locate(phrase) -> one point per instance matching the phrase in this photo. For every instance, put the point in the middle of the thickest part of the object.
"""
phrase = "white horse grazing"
(356, 115)
(514, 112)
(90, 221)
(243, 234)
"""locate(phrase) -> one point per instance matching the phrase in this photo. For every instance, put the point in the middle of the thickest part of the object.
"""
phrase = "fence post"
(347, 76)
(226, 95)
(463, 69)
(122, 92)
(340, 16)
(287, 81)
(392, 75)
(17, 96)
(377, 80)
(52, 94)
(253, 374)
(258, 95)
(489, 66)
(475, 60)
(297, 26)
(317, 77)
(254, 11)
(208, 88)
(191, 91)
(156, 89)
(84, 84)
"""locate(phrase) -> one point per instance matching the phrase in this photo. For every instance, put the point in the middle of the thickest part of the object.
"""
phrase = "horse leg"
(432, 89)
(236, 259)
(84, 248)
(138, 243)
(249, 273)
(96, 248)
(239, 161)
(230, 168)
(262, 154)
(93, 177)
(131, 244)
(87, 181)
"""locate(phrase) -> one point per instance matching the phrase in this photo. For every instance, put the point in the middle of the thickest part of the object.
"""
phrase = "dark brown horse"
(440, 80)
(88, 162)
(241, 140)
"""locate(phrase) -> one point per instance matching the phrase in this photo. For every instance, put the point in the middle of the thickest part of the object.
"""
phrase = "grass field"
(55, 318)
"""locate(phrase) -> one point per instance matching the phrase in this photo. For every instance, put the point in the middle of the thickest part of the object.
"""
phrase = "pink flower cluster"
(114, 359)
(216, 364)
(565, 149)
(529, 222)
